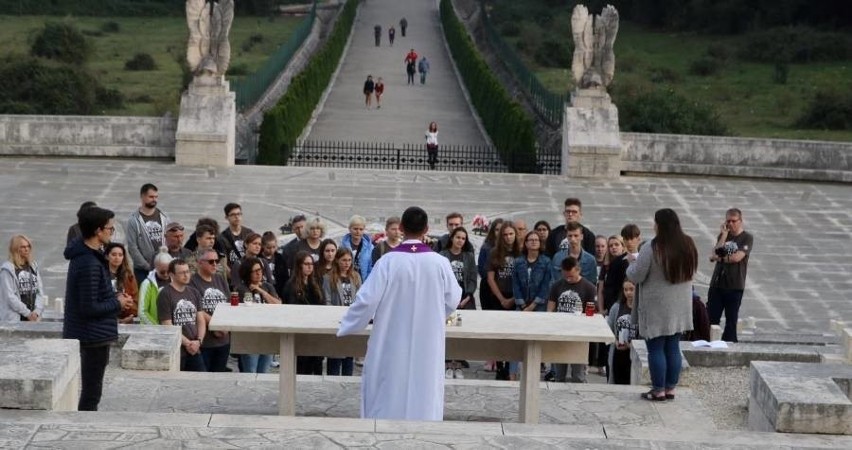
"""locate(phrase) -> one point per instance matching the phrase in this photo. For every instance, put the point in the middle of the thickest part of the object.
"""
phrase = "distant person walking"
(391, 35)
(380, 89)
(369, 87)
(423, 68)
(432, 144)
(411, 65)
(377, 31)
(403, 25)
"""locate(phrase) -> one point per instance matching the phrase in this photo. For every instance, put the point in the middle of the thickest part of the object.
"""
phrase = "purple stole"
(412, 248)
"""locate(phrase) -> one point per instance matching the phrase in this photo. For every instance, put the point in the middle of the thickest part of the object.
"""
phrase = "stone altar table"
(292, 330)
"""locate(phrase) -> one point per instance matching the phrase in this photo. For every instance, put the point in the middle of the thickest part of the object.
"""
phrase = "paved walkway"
(798, 275)
(406, 110)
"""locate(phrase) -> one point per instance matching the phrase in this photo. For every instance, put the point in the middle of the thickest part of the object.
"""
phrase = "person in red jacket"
(379, 90)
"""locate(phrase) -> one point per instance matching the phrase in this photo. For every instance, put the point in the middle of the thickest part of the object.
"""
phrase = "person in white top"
(408, 296)
(432, 144)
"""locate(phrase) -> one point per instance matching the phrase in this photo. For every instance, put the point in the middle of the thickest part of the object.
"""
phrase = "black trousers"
(729, 301)
(93, 362)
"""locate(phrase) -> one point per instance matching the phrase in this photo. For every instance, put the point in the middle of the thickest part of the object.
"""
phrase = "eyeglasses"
(212, 262)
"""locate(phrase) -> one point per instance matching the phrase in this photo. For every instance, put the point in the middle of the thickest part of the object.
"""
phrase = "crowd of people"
(158, 277)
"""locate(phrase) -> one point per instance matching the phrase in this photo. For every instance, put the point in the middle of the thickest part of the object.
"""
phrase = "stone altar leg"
(287, 376)
(591, 140)
(529, 406)
(207, 124)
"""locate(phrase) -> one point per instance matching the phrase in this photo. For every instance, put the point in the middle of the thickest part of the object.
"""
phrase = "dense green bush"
(828, 110)
(704, 66)
(553, 53)
(29, 86)
(509, 127)
(282, 125)
(797, 45)
(664, 111)
(111, 27)
(141, 61)
(127, 8)
(61, 41)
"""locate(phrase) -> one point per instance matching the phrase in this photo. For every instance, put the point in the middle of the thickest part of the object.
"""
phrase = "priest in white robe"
(408, 296)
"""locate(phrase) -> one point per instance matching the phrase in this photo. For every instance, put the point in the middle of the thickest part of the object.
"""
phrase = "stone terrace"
(798, 274)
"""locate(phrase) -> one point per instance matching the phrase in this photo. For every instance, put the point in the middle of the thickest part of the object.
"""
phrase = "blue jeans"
(729, 300)
(340, 366)
(216, 358)
(255, 363)
(664, 361)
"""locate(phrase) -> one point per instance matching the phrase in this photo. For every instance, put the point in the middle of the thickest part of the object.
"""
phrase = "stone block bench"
(738, 354)
(800, 398)
(139, 347)
(39, 374)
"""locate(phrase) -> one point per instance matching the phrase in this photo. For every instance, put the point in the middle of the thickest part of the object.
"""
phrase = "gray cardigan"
(660, 308)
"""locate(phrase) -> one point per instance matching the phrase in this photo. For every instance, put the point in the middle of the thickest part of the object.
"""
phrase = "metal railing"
(250, 88)
(389, 156)
(549, 105)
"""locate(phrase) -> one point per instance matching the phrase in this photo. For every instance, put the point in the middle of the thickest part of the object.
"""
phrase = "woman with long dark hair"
(663, 274)
(303, 289)
(325, 263)
(501, 269)
(339, 286)
(123, 280)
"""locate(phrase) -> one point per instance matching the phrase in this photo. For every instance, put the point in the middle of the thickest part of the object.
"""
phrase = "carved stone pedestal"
(591, 141)
(207, 124)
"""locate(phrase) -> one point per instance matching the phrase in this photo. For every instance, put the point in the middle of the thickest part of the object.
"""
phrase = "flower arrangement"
(480, 224)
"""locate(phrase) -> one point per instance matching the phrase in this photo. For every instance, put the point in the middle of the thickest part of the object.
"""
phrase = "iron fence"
(389, 156)
(250, 88)
(549, 105)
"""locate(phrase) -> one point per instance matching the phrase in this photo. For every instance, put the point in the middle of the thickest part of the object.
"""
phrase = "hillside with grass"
(138, 61)
(780, 81)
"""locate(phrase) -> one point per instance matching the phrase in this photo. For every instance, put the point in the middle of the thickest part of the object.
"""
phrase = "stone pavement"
(798, 276)
(188, 410)
(406, 110)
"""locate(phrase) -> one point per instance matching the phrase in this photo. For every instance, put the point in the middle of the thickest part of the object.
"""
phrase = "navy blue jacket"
(91, 307)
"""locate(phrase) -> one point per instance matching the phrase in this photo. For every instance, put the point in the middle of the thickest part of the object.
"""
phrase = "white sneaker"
(458, 374)
(448, 374)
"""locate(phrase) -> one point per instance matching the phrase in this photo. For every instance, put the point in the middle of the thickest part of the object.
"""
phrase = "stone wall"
(740, 157)
(87, 136)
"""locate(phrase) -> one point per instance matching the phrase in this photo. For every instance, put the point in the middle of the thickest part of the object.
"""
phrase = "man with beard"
(145, 229)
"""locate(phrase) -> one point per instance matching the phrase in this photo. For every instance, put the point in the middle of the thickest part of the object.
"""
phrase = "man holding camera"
(731, 253)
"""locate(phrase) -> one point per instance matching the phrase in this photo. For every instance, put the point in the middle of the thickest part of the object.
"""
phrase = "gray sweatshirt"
(139, 246)
(660, 308)
(11, 306)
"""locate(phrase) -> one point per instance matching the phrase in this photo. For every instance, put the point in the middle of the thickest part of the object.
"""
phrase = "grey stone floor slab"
(798, 274)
